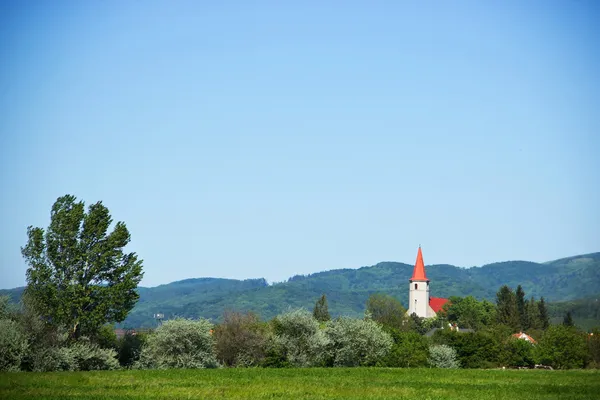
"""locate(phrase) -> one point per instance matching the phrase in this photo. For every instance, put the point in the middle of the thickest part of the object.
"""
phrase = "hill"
(347, 290)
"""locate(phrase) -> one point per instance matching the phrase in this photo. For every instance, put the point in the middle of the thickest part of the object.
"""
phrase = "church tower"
(419, 289)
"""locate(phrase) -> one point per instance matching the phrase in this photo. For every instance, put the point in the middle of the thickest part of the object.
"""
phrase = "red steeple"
(419, 271)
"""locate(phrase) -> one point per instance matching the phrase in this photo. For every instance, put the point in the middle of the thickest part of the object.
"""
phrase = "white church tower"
(419, 290)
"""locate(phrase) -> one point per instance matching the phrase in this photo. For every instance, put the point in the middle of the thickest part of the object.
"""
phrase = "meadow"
(309, 383)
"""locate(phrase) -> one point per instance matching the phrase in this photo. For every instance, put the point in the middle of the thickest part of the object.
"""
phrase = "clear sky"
(248, 139)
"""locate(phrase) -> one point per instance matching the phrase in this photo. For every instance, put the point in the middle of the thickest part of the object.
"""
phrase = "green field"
(314, 383)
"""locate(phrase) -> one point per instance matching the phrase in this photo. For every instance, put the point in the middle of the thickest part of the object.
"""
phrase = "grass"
(314, 383)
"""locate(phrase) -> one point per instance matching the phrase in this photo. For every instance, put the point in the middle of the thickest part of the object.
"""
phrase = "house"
(420, 302)
(524, 336)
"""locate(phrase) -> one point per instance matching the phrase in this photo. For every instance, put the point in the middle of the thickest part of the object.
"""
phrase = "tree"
(443, 356)
(562, 347)
(533, 315)
(298, 340)
(356, 342)
(543, 312)
(79, 276)
(387, 310)
(467, 312)
(506, 306)
(520, 294)
(410, 349)
(240, 340)
(179, 343)
(13, 345)
(568, 319)
(321, 310)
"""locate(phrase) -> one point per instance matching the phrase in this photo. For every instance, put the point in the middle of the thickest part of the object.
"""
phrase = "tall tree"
(388, 311)
(78, 275)
(321, 310)
(533, 315)
(521, 307)
(544, 319)
(506, 308)
(568, 319)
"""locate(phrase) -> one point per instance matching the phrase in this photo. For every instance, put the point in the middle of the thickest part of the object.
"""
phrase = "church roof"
(436, 303)
(419, 271)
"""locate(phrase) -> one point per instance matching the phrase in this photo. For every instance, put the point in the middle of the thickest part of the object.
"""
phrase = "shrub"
(179, 343)
(130, 347)
(443, 356)
(562, 347)
(240, 340)
(518, 353)
(356, 342)
(409, 350)
(298, 339)
(13, 345)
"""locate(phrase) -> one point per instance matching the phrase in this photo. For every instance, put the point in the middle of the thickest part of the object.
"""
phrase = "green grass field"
(314, 383)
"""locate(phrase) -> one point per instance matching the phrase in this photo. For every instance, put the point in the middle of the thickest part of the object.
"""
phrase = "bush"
(409, 350)
(562, 347)
(240, 340)
(13, 345)
(130, 347)
(518, 353)
(443, 356)
(356, 342)
(79, 356)
(298, 341)
(179, 343)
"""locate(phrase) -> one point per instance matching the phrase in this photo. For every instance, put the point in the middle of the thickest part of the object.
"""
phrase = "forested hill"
(348, 289)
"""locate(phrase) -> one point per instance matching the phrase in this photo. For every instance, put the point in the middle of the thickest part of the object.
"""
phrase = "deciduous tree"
(79, 274)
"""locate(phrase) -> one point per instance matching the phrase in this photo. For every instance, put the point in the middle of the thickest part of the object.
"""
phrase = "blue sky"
(268, 139)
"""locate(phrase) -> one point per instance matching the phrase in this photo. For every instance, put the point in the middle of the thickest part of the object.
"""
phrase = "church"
(420, 302)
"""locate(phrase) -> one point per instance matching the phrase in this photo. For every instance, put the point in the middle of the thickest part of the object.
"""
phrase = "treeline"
(467, 333)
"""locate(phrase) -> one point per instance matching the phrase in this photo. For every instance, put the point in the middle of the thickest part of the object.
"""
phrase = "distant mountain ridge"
(347, 290)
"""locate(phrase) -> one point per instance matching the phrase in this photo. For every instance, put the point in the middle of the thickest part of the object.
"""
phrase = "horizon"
(238, 140)
(270, 283)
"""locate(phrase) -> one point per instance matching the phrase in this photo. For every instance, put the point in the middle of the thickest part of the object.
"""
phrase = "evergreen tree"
(521, 307)
(321, 310)
(506, 306)
(568, 319)
(533, 315)
(544, 319)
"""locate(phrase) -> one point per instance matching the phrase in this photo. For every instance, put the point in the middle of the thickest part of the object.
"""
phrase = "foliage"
(521, 311)
(13, 345)
(562, 347)
(356, 342)
(130, 347)
(468, 312)
(518, 353)
(387, 311)
(241, 339)
(410, 349)
(568, 320)
(298, 339)
(78, 273)
(321, 310)
(443, 356)
(507, 312)
(474, 349)
(179, 343)
(543, 312)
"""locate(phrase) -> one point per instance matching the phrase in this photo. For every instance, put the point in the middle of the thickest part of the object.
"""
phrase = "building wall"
(418, 299)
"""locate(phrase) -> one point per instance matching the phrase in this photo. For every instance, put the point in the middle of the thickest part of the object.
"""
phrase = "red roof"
(419, 271)
(436, 303)
(524, 336)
